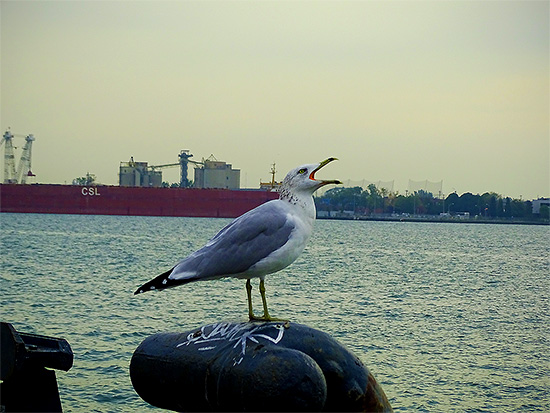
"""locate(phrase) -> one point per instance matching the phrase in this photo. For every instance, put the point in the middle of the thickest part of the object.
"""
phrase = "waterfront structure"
(537, 203)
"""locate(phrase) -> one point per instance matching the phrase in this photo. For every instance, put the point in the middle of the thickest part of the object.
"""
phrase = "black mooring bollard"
(27, 385)
(253, 367)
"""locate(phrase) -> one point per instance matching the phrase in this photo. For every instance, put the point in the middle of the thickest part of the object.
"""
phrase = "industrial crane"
(184, 161)
(9, 158)
(11, 176)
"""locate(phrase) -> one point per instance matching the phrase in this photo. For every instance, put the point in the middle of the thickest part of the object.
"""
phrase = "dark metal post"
(253, 367)
(28, 386)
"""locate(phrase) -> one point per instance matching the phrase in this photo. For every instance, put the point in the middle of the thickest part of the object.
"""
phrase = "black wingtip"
(157, 283)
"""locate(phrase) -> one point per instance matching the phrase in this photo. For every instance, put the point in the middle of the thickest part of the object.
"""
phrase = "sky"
(452, 91)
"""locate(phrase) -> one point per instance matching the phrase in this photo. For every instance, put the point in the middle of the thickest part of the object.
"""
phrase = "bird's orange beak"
(322, 182)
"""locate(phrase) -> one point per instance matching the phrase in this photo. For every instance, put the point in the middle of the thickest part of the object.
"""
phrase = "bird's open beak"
(321, 182)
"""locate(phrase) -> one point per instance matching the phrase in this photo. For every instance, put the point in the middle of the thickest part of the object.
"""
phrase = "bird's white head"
(301, 181)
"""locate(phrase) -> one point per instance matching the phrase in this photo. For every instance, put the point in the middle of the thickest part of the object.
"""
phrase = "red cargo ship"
(117, 200)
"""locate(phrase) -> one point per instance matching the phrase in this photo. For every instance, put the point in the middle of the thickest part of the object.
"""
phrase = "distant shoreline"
(439, 220)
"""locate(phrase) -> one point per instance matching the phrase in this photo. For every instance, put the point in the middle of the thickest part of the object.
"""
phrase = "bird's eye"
(302, 171)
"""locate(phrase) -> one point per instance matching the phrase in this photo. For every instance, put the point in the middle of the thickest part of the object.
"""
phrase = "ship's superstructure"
(273, 185)
(217, 174)
(139, 174)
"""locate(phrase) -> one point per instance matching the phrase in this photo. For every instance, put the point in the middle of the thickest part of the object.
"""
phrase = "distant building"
(217, 174)
(537, 203)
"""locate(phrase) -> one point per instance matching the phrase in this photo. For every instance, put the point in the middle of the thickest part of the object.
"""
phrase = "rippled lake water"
(448, 317)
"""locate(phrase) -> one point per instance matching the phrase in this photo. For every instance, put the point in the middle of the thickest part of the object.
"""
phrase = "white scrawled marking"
(237, 333)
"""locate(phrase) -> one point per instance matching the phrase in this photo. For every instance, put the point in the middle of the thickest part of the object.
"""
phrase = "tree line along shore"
(379, 204)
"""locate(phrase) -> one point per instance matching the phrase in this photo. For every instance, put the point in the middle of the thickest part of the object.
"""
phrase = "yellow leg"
(266, 316)
(264, 300)
(249, 295)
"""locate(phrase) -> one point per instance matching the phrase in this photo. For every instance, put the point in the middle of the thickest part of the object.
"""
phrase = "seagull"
(262, 241)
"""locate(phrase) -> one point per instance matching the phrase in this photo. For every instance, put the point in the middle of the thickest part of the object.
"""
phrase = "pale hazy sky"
(453, 91)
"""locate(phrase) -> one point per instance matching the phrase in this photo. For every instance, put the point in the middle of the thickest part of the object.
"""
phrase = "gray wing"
(240, 245)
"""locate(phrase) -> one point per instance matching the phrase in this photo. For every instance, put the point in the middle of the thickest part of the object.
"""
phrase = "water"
(448, 317)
